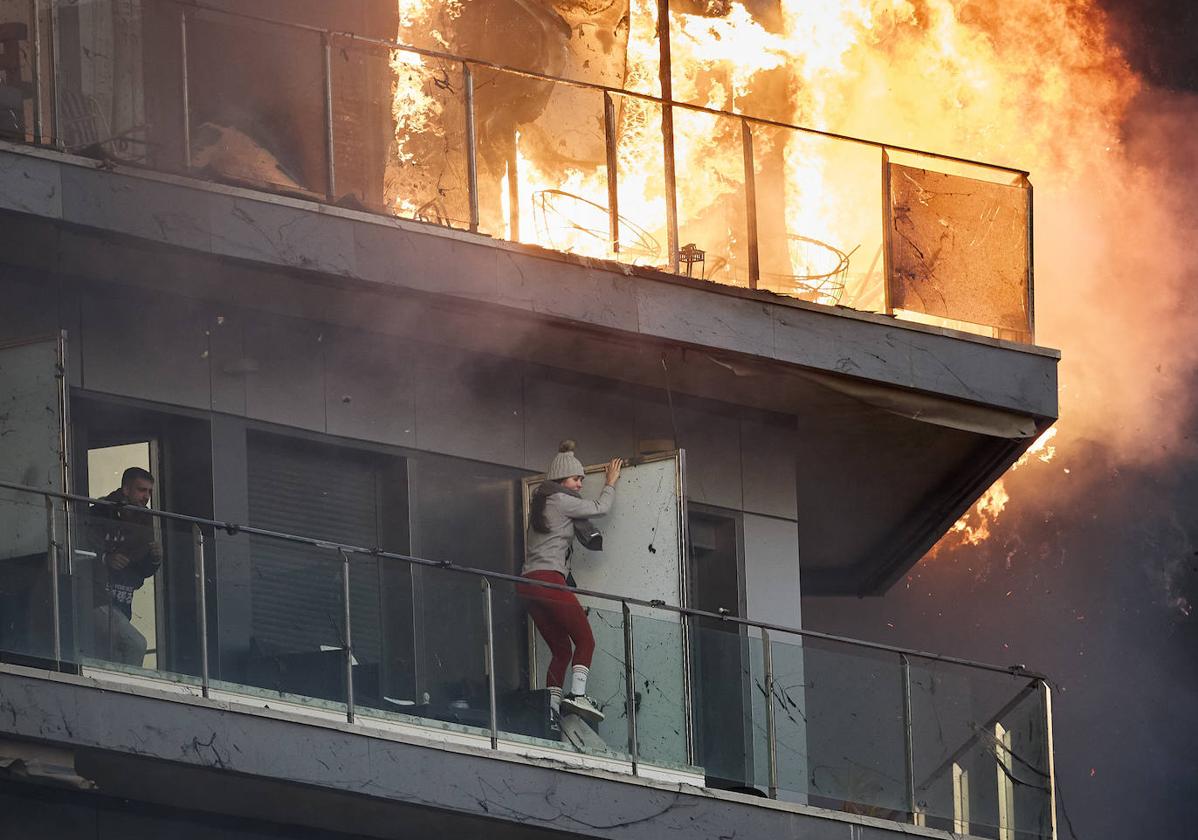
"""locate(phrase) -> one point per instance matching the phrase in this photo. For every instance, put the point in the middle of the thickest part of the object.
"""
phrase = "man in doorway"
(128, 553)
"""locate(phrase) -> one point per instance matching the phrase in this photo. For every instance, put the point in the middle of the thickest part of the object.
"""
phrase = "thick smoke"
(1090, 573)
(1041, 87)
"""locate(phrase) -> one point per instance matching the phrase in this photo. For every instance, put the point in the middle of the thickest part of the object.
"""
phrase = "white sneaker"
(583, 706)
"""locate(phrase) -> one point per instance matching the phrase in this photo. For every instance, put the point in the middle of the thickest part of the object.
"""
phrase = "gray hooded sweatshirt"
(551, 552)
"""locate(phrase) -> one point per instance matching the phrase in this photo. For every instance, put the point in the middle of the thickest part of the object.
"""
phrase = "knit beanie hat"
(564, 463)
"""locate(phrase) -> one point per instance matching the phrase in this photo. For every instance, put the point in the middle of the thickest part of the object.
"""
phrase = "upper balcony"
(272, 170)
(585, 163)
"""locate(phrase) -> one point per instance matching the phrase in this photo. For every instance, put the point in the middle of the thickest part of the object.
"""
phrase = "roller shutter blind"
(323, 492)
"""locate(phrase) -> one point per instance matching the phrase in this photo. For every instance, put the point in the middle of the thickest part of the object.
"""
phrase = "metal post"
(613, 192)
(185, 84)
(490, 659)
(329, 140)
(513, 191)
(197, 543)
(52, 558)
(630, 686)
(667, 129)
(471, 148)
(347, 644)
(771, 726)
(1031, 266)
(746, 139)
(1046, 694)
(908, 738)
(887, 222)
(35, 73)
(55, 52)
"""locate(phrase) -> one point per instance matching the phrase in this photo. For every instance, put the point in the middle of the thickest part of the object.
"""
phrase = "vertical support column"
(471, 148)
(771, 725)
(887, 224)
(1031, 265)
(746, 139)
(665, 73)
(35, 70)
(908, 739)
(330, 164)
(185, 86)
(55, 52)
(488, 612)
(630, 685)
(347, 644)
(1046, 699)
(197, 544)
(513, 191)
(52, 555)
(613, 192)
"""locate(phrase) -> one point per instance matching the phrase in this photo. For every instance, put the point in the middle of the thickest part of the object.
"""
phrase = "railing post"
(771, 725)
(185, 87)
(488, 612)
(887, 223)
(1046, 695)
(471, 148)
(746, 139)
(52, 555)
(908, 739)
(1031, 265)
(35, 72)
(665, 74)
(630, 686)
(347, 643)
(197, 543)
(613, 192)
(330, 193)
(55, 84)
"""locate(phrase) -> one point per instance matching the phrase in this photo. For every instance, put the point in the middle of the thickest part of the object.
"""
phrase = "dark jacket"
(126, 530)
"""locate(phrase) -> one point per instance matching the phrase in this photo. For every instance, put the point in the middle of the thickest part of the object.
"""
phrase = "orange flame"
(1029, 84)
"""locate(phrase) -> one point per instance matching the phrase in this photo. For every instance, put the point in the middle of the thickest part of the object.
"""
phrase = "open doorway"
(109, 435)
(105, 466)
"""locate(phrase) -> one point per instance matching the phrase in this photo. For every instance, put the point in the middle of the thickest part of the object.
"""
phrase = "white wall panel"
(772, 595)
(772, 570)
(768, 452)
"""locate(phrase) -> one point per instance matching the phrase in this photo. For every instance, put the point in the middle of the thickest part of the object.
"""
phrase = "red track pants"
(561, 621)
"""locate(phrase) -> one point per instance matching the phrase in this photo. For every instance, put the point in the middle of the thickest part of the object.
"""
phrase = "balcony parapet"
(835, 707)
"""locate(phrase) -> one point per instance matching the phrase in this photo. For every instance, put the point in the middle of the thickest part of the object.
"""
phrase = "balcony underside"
(898, 427)
(180, 752)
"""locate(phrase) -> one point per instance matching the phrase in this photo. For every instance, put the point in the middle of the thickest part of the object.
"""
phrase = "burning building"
(341, 278)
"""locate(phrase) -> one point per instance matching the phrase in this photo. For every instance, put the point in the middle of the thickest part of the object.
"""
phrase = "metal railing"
(906, 284)
(976, 737)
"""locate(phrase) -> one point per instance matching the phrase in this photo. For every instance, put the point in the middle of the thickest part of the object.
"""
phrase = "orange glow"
(1029, 84)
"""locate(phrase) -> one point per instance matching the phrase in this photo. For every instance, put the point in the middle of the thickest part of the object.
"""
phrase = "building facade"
(343, 403)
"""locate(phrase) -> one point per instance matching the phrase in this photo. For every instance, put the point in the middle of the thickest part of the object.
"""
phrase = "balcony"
(651, 184)
(705, 700)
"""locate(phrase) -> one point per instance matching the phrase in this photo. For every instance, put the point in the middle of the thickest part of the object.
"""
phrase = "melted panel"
(959, 248)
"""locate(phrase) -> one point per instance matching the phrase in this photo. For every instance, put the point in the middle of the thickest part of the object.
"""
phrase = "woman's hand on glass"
(613, 471)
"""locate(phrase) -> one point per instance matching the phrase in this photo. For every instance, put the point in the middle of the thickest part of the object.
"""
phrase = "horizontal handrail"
(532, 74)
(233, 528)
